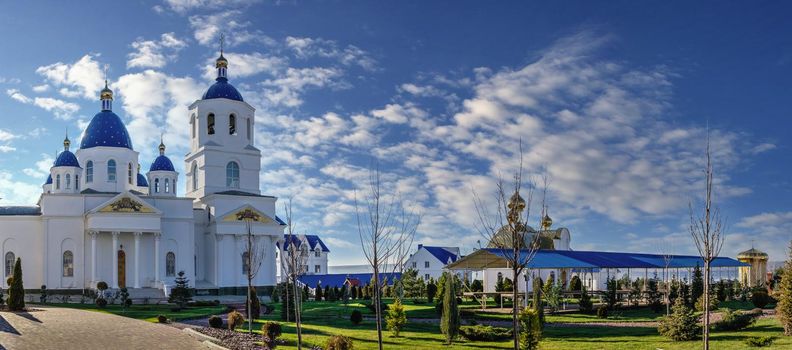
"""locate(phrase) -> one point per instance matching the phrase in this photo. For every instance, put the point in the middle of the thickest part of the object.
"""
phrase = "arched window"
(111, 170)
(89, 171)
(232, 125)
(68, 264)
(210, 121)
(248, 128)
(195, 176)
(245, 263)
(156, 185)
(9, 263)
(167, 186)
(68, 181)
(129, 173)
(170, 264)
(57, 182)
(232, 175)
(77, 182)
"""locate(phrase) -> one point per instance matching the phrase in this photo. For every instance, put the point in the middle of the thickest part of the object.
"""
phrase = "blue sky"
(612, 98)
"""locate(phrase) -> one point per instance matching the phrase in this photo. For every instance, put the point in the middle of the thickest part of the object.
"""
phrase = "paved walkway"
(65, 329)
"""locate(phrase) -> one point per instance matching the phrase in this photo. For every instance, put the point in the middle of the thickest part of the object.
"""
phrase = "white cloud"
(398, 114)
(18, 96)
(41, 88)
(182, 6)
(244, 65)
(207, 29)
(42, 167)
(13, 192)
(762, 148)
(286, 90)
(60, 108)
(155, 53)
(81, 78)
(6, 136)
(318, 47)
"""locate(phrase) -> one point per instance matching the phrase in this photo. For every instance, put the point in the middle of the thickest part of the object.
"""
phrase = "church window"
(68, 181)
(426, 277)
(245, 263)
(426, 264)
(156, 185)
(210, 120)
(170, 264)
(317, 268)
(414, 264)
(248, 128)
(68, 264)
(111, 170)
(57, 182)
(77, 182)
(9, 263)
(195, 176)
(129, 173)
(167, 186)
(232, 175)
(89, 171)
(232, 125)
(318, 253)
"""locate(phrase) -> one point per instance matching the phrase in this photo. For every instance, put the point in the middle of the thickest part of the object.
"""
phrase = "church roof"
(66, 158)
(141, 180)
(444, 255)
(313, 241)
(338, 279)
(752, 253)
(222, 89)
(19, 210)
(162, 163)
(49, 180)
(106, 130)
(242, 193)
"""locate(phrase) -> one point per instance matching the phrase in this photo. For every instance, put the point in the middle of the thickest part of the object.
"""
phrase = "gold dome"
(66, 143)
(106, 93)
(752, 254)
(547, 222)
(221, 62)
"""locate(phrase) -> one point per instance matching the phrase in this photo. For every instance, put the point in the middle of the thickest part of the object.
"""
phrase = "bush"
(682, 324)
(759, 341)
(255, 304)
(602, 311)
(271, 330)
(356, 317)
(215, 322)
(372, 307)
(485, 333)
(16, 291)
(734, 321)
(713, 301)
(102, 285)
(530, 329)
(101, 302)
(339, 342)
(235, 319)
(162, 319)
(396, 318)
(43, 294)
(760, 298)
(575, 284)
(585, 304)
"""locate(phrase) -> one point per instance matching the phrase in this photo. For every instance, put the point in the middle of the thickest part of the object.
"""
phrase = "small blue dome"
(162, 163)
(66, 158)
(141, 181)
(222, 89)
(106, 130)
(49, 180)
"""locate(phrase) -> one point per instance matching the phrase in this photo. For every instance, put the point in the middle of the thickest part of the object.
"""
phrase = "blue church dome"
(49, 180)
(222, 89)
(66, 158)
(162, 163)
(141, 180)
(106, 129)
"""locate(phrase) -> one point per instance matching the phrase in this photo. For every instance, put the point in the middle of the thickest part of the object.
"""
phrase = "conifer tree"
(784, 290)
(431, 291)
(16, 291)
(696, 285)
(450, 321)
(181, 294)
(396, 317)
(318, 292)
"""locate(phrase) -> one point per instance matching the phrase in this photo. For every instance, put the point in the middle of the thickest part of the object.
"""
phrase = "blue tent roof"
(67, 158)
(162, 163)
(440, 253)
(222, 89)
(546, 259)
(338, 279)
(106, 129)
(49, 180)
(141, 180)
(313, 240)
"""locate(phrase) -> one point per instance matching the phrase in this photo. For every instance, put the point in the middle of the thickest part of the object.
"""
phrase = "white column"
(238, 267)
(157, 257)
(93, 256)
(137, 259)
(115, 259)
(217, 260)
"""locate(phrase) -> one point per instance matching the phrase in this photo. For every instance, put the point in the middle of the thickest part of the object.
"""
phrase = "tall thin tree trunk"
(515, 324)
(706, 303)
(377, 304)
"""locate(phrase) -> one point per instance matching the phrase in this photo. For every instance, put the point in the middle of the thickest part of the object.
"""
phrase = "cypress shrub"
(734, 320)
(760, 298)
(431, 291)
(682, 324)
(602, 311)
(255, 304)
(586, 306)
(215, 322)
(485, 333)
(530, 329)
(318, 292)
(450, 321)
(784, 292)
(16, 291)
(396, 317)
(287, 302)
(356, 317)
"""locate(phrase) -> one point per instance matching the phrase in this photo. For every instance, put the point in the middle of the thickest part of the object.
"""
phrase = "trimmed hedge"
(485, 333)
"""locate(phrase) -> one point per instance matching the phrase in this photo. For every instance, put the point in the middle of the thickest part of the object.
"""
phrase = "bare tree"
(294, 266)
(508, 230)
(386, 229)
(668, 256)
(252, 257)
(707, 231)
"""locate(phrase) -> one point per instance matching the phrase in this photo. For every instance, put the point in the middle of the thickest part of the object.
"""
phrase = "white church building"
(99, 219)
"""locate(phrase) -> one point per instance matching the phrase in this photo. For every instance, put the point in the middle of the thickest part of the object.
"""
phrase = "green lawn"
(149, 312)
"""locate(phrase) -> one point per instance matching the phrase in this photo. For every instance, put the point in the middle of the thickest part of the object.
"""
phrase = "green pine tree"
(396, 318)
(784, 290)
(696, 286)
(450, 321)
(181, 293)
(431, 290)
(318, 292)
(16, 291)
(530, 329)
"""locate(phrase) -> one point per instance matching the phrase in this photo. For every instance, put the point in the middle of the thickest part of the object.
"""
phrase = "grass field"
(149, 312)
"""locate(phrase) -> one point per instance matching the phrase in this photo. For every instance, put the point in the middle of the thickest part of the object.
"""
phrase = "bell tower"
(222, 155)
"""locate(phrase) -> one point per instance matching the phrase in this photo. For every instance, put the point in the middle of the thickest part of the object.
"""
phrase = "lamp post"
(249, 216)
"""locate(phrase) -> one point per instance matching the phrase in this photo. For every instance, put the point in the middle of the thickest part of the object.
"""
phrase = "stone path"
(66, 329)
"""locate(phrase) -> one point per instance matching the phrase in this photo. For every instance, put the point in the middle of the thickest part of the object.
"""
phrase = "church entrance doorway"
(121, 269)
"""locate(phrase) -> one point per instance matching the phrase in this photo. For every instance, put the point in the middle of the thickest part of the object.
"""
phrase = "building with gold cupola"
(755, 274)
